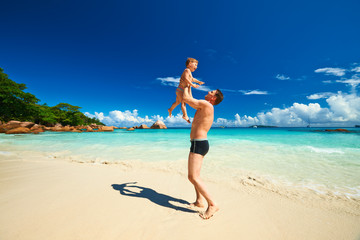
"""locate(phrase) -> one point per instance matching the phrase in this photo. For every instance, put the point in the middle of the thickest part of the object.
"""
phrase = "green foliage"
(15, 104)
(45, 116)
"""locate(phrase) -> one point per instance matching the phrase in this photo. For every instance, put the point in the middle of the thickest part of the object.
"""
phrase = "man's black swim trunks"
(200, 146)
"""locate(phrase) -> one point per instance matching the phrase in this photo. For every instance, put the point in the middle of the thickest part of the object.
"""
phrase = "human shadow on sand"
(131, 190)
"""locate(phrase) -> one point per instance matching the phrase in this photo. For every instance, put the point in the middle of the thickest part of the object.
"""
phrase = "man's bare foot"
(186, 119)
(197, 204)
(209, 212)
(169, 112)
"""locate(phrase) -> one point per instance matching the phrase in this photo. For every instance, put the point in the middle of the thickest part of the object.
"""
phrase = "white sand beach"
(42, 199)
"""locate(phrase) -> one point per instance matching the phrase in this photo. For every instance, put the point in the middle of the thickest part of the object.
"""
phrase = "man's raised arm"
(194, 103)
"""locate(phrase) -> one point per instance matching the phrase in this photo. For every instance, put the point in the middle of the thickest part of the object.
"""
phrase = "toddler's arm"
(197, 81)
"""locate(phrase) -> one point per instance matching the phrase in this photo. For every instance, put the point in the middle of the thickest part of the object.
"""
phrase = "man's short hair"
(189, 60)
(219, 97)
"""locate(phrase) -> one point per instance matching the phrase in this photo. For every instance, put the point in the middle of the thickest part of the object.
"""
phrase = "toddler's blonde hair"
(190, 60)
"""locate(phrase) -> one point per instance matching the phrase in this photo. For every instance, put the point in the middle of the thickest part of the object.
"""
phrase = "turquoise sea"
(299, 158)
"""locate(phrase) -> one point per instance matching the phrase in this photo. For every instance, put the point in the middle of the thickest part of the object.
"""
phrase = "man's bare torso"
(202, 122)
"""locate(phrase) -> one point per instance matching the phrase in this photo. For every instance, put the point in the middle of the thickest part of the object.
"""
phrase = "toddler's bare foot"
(186, 119)
(209, 212)
(169, 112)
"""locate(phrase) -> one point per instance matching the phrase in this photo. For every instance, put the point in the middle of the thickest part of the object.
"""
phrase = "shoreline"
(66, 200)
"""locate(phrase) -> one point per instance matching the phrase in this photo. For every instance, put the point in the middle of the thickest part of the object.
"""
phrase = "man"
(202, 122)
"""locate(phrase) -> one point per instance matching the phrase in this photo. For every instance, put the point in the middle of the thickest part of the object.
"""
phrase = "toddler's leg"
(177, 102)
(183, 109)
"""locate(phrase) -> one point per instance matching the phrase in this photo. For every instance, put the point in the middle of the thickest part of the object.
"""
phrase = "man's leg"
(194, 167)
(200, 200)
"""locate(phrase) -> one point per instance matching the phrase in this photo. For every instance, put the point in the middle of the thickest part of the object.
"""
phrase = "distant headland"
(18, 105)
(17, 127)
(20, 112)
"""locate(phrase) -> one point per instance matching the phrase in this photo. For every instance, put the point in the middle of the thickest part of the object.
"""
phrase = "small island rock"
(27, 124)
(158, 125)
(337, 130)
(107, 129)
(37, 131)
(18, 130)
(10, 125)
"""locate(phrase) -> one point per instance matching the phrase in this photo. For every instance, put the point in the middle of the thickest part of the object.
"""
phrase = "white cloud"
(343, 110)
(345, 107)
(204, 88)
(131, 118)
(253, 92)
(327, 81)
(356, 69)
(352, 82)
(122, 119)
(320, 95)
(331, 71)
(282, 77)
(169, 81)
(247, 92)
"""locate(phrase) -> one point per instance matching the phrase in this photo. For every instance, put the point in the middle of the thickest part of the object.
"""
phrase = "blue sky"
(278, 62)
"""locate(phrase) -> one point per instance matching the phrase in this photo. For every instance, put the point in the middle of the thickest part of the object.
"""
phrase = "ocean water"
(300, 159)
